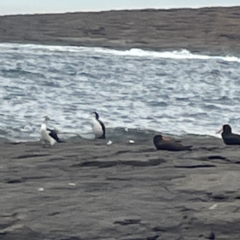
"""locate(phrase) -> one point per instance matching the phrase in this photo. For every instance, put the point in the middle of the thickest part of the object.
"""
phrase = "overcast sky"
(53, 6)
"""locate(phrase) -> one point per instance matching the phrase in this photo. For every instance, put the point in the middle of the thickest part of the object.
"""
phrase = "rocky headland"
(212, 30)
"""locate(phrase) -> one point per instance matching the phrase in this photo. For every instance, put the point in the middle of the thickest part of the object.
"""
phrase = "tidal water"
(136, 91)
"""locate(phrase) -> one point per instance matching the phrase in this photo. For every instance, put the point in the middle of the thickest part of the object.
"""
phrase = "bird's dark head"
(96, 115)
(225, 129)
(158, 138)
(46, 118)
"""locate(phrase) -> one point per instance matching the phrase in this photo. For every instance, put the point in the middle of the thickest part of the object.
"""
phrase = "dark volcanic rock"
(209, 30)
(55, 194)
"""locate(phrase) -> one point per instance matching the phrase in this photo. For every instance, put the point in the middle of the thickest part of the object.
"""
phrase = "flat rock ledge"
(90, 190)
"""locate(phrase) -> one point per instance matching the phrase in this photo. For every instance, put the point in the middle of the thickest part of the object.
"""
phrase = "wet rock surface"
(90, 190)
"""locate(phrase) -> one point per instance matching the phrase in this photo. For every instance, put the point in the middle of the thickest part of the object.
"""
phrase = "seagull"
(99, 129)
(48, 136)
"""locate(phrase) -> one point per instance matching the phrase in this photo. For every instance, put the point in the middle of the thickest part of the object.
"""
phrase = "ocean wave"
(177, 54)
(134, 52)
(134, 91)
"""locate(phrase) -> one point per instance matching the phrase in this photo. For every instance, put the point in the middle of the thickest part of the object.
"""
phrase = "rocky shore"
(91, 190)
(206, 30)
(85, 190)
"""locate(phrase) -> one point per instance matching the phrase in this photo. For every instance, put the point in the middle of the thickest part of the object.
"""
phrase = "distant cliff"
(206, 30)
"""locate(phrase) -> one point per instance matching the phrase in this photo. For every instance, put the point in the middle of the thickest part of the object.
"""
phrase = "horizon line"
(116, 9)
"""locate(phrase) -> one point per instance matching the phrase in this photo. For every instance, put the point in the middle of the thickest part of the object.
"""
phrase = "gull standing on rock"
(48, 136)
(99, 129)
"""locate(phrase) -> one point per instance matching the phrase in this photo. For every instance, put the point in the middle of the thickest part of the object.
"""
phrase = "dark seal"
(169, 145)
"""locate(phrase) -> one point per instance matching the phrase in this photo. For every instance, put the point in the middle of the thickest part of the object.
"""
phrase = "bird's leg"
(43, 143)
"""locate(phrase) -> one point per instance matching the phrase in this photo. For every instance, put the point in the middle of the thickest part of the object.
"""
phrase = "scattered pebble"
(131, 141)
(211, 236)
(109, 142)
(41, 189)
(213, 206)
(72, 184)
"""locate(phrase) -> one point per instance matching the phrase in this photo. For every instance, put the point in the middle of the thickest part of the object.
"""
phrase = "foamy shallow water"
(171, 92)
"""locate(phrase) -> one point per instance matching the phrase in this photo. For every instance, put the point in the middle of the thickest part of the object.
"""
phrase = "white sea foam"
(134, 52)
(177, 54)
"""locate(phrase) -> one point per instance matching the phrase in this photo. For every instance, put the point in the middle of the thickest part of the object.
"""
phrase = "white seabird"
(99, 129)
(48, 136)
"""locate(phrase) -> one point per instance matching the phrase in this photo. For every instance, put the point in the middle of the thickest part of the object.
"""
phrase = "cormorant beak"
(219, 131)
